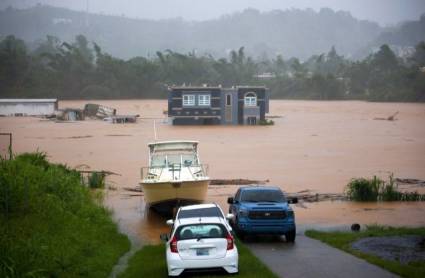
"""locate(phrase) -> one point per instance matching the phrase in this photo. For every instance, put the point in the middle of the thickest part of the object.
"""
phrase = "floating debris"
(410, 181)
(75, 137)
(236, 182)
(118, 135)
(122, 119)
(308, 196)
(98, 111)
(133, 189)
(390, 118)
(103, 172)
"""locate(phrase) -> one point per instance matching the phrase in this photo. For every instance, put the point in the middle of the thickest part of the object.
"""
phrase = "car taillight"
(173, 245)
(230, 242)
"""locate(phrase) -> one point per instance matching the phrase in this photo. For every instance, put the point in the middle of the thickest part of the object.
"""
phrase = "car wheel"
(290, 236)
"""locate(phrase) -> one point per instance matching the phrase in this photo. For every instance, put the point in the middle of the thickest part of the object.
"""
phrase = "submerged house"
(28, 107)
(215, 105)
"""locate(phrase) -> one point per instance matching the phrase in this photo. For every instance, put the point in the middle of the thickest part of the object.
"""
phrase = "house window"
(204, 100)
(188, 100)
(228, 100)
(250, 99)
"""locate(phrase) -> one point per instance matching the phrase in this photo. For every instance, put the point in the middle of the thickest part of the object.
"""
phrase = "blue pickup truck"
(262, 210)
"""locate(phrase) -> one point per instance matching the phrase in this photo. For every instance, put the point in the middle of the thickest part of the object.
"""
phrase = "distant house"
(215, 105)
(28, 107)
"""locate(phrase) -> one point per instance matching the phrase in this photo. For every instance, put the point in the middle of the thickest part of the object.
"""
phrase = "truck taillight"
(173, 245)
(230, 242)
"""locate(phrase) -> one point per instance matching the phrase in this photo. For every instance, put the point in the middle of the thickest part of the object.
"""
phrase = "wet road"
(311, 258)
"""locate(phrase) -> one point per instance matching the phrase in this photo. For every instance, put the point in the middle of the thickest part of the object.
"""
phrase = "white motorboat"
(174, 177)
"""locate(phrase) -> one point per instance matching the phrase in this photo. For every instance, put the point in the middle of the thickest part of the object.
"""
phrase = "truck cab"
(262, 210)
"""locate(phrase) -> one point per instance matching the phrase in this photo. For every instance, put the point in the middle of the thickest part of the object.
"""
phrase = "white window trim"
(188, 100)
(250, 101)
(204, 100)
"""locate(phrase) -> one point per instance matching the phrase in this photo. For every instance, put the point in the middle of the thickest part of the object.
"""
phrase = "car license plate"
(202, 252)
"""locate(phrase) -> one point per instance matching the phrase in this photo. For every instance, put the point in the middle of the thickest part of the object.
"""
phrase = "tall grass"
(50, 226)
(363, 189)
(96, 180)
(375, 189)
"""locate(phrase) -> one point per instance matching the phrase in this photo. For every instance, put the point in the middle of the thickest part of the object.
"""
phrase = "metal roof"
(27, 100)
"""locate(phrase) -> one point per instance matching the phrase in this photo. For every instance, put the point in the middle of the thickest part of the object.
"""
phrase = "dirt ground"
(313, 145)
(402, 249)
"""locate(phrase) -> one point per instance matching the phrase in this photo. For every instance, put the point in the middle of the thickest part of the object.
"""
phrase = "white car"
(202, 210)
(199, 244)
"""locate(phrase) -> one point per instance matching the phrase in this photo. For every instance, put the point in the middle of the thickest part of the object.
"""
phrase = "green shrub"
(96, 180)
(266, 122)
(368, 190)
(389, 191)
(363, 189)
(36, 159)
(50, 226)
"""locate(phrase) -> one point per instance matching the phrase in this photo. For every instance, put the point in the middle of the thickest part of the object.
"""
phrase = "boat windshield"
(164, 160)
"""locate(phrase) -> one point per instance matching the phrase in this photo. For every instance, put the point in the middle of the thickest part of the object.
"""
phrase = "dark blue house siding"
(215, 113)
(196, 114)
(262, 99)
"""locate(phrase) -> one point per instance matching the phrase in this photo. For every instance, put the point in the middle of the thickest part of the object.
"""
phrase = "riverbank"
(51, 225)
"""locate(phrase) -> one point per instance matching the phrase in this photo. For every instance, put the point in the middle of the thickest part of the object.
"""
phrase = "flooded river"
(313, 145)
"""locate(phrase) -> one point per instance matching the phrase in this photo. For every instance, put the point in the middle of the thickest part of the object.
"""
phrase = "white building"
(28, 107)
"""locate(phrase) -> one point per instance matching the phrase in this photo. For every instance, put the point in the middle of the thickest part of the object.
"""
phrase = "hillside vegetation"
(292, 33)
(81, 70)
(51, 225)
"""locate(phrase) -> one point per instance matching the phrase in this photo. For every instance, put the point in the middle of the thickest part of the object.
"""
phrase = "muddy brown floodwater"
(313, 145)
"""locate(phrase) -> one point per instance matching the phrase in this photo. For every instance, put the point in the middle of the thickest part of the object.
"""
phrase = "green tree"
(14, 63)
(418, 57)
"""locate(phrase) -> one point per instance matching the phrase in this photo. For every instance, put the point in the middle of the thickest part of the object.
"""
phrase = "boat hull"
(164, 197)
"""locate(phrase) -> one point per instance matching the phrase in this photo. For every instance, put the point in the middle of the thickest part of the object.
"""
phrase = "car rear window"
(198, 231)
(201, 212)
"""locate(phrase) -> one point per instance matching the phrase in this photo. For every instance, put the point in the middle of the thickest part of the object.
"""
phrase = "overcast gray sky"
(385, 12)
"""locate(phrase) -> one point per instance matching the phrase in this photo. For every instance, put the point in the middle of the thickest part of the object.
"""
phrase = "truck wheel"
(290, 236)
(239, 233)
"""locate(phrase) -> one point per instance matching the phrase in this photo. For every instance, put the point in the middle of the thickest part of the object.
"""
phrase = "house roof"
(27, 100)
(215, 87)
